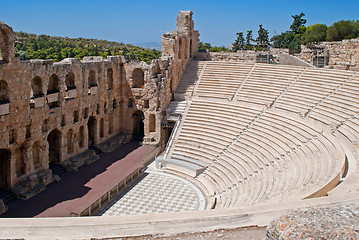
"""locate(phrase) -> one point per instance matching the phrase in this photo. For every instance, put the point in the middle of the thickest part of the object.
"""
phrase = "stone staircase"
(57, 169)
(177, 107)
(189, 79)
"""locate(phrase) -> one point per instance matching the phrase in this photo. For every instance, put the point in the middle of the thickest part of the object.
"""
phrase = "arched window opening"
(82, 137)
(36, 155)
(70, 81)
(20, 160)
(152, 123)
(109, 78)
(53, 91)
(92, 79)
(102, 128)
(53, 86)
(4, 92)
(70, 147)
(4, 98)
(36, 87)
(138, 78)
(5, 157)
(70, 86)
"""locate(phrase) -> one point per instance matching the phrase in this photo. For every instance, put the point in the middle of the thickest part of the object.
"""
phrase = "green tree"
(31, 46)
(286, 40)
(298, 23)
(239, 42)
(249, 40)
(203, 47)
(263, 38)
(219, 49)
(342, 30)
(314, 33)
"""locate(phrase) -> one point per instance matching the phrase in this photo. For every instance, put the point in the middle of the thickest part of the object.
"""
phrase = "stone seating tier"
(256, 155)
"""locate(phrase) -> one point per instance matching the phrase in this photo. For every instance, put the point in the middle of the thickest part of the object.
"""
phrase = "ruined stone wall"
(54, 112)
(180, 46)
(342, 54)
(240, 56)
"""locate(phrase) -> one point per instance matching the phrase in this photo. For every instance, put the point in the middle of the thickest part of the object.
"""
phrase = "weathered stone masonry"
(53, 112)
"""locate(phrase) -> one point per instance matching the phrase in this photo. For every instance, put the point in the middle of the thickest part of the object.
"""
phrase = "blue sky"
(145, 21)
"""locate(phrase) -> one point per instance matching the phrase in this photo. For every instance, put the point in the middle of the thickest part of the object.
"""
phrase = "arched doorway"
(5, 157)
(138, 126)
(92, 129)
(54, 140)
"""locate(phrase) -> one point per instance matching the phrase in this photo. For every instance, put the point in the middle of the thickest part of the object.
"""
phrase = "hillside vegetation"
(32, 46)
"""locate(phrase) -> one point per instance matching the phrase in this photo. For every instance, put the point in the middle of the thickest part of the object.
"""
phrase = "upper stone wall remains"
(341, 54)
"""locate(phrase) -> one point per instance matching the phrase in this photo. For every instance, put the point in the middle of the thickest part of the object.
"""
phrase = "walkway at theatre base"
(77, 190)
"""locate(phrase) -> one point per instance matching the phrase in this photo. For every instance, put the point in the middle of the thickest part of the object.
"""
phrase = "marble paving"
(157, 193)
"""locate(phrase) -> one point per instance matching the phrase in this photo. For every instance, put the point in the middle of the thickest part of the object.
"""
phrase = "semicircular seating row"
(257, 154)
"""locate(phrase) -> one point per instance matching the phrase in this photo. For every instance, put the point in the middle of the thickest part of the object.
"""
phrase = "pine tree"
(239, 42)
(249, 39)
(298, 24)
(263, 38)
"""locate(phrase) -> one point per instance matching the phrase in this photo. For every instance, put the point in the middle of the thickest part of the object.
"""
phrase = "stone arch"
(36, 87)
(109, 78)
(5, 157)
(20, 160)
(92, 79)
(54, 140)
(138, 126)
(69, 138)
(36, 155)
(152, 123)
(70, 81)
(138, 78)
(82, 137)
(53, 86)
(4, 92)
(102, 128)
(92, 130)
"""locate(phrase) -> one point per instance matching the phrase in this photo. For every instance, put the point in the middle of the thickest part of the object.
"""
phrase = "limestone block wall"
(342, 54)
(240, 56)
(53, 112)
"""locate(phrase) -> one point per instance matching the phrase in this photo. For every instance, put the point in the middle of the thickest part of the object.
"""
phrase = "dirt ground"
(250, 233)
